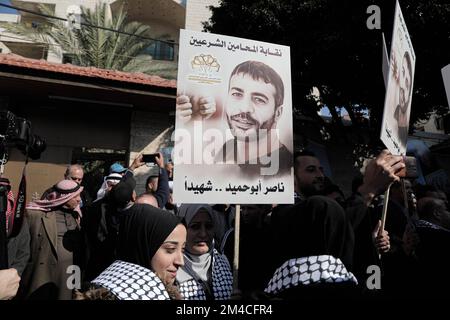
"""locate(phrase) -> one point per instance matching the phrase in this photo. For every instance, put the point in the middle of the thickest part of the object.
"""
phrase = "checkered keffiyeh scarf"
(9, 212)
(129, 281)
(222, 281)
(428, 225)
(309, 270)
(9, 208)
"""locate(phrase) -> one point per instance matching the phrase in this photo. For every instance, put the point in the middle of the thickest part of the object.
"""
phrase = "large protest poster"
(233, 132)
(446, 77)
(385, 61)
(397, 103)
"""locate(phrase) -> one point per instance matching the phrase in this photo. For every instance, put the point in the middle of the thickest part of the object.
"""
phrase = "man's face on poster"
(250, 106)
(405, 84)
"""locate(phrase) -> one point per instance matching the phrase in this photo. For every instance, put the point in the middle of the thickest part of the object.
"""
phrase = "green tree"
(333, 50)
(95, 47)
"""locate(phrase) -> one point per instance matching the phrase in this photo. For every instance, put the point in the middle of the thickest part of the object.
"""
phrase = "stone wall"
(197, 11)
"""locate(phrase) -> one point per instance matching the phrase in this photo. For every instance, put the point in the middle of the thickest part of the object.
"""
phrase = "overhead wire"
(44, 44)
(85, 24)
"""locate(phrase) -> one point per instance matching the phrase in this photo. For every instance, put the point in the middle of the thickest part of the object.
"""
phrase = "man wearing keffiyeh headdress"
(108, 182)
(55, 242)
(101, 223)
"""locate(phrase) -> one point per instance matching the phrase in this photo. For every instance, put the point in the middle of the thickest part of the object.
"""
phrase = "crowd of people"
(121, 246)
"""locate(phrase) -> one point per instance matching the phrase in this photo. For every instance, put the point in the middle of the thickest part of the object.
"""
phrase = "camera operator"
(15, 132)
(18, 243)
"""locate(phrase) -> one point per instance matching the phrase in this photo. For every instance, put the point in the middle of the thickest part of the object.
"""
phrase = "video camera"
(16, 132)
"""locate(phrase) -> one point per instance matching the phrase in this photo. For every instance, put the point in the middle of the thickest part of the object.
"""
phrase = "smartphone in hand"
(149, 158)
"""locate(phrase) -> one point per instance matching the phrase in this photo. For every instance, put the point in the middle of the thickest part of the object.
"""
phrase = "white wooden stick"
(237, 223)
(383, 216)
(385, 206)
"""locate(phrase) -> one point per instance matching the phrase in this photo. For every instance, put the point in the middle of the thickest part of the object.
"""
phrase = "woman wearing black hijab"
(312, 246)
(151, 243)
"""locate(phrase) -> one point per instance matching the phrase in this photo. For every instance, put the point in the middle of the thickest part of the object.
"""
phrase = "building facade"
(83, 115)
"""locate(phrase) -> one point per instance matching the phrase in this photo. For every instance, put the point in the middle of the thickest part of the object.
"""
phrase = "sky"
(326, 112)
(6, 10)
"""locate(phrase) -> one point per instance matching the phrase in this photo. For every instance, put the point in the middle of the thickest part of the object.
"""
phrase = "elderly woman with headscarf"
(150, 252)
(206, 274)
(55, 241)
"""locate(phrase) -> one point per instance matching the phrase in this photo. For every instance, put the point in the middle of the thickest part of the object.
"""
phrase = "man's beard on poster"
(403, 103)
(250, 134)
(404, 99)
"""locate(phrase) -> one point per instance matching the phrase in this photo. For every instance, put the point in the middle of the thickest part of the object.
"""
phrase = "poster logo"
(206, 69)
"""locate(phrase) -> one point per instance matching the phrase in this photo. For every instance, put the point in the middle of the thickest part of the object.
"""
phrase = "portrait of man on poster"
(403, 78)
(253, 108)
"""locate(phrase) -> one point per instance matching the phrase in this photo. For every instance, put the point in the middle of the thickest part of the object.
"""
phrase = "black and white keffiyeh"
(128, 281)
(222, 281)
(428, 225)
(309, 270)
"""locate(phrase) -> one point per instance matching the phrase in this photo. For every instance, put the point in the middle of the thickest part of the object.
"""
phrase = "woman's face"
(169, 257)
(200, 233)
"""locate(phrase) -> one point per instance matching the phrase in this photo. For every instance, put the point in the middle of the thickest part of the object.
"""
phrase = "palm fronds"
(97, 47)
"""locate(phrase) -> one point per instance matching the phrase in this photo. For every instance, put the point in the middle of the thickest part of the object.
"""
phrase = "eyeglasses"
(76, 179)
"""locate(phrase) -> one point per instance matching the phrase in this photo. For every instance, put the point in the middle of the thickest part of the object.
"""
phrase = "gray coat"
(19, 249)
(40, 277)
